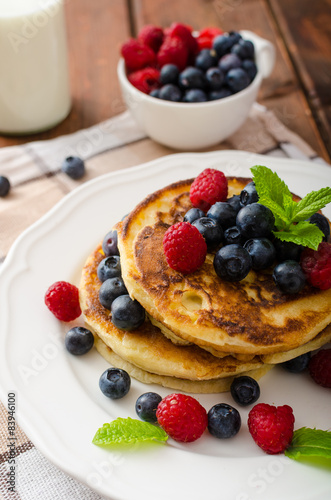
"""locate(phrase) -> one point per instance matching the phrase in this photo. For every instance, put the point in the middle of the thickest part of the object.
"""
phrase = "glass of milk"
(34, 81)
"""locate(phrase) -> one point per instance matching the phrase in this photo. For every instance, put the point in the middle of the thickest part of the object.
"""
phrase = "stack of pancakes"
(199, 332)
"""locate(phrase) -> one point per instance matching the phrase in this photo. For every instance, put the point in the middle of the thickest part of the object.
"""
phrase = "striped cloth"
(38, 183)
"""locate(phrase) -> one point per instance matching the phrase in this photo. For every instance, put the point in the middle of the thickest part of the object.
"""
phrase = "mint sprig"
(128, 431)
(308, 442)
(290, 216)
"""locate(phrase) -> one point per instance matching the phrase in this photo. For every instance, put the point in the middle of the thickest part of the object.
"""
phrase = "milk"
(34, 84)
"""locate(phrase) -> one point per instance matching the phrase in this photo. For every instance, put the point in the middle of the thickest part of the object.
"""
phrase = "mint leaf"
(281, 219)
(290, 216)
(269, 184)
(311, 203)
(309, 442)
(273, 193)
(128, 431)
(303, 233)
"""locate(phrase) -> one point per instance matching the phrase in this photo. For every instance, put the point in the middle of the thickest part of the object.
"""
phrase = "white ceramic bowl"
(195, 126)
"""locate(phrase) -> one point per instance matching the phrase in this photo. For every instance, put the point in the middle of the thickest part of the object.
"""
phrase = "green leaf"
(303, 233)
(309, 442)
(311, 203)
(128, 431)
(281, 219)
(273, 193)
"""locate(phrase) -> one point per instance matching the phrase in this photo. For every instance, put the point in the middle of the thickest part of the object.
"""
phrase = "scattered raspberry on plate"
(320, 367)
(62, 299)
(182, 417)
(316, 264)
(271, 427)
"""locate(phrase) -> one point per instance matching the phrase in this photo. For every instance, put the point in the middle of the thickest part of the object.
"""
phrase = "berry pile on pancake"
(199, 331)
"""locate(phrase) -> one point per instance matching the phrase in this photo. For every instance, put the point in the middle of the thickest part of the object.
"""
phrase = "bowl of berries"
(191, 90)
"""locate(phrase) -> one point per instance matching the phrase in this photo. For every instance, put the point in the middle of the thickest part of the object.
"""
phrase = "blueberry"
(192, 78)
(243, 49)
(255, 221)
(110, 290)
(237, 79)
(169, 74)
(210, 230)
(195, 95)
(146, 406)
(115, 383)
(232, 262)
(4, 186)
(109, 267)
(235, 36)
(298, 364)
(155, 93)
(109, 244)
(234, 201)
(287, 250)
(79, 340)
(219, 94)
(249, 194)
(223, 421)
(206, 59)
(74, 167)
(322, 223)
(193, 214)
(223, 214)
(233, 235)
(215, 78)
(127, 314)
(262, 252)
(289, 277)
(250, 67)
(245, 390)
(229, 61)
(223, 43)
(170, 92)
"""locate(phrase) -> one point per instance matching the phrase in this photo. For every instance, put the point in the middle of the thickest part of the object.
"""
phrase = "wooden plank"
(308, 40)
(95, 32)
(281, 91)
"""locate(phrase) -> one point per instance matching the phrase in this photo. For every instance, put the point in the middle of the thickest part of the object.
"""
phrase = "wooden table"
(298, 90)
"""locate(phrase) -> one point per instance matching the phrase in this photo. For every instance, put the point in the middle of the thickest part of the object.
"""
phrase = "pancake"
(323, 338)
(194, 386)
(248, 317)
(146, 347)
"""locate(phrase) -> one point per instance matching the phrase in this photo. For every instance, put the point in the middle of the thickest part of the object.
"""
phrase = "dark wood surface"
(298, 90)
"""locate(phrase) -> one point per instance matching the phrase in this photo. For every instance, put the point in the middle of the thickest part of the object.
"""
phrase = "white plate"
(59, 403)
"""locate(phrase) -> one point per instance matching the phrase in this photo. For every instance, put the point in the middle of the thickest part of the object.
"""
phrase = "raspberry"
(320, 367)
(209, 187)
(184, 247)
(271, 427)
(62, 299)
(316, 264)
(145, 80)
(183, 32)
(137, 55)
(206, 36)
(173, 51)
(182, 417)
(152, 36)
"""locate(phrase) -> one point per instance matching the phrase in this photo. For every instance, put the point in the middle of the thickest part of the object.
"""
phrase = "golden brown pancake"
(250, 317)
(211, 386)
(146, 347)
